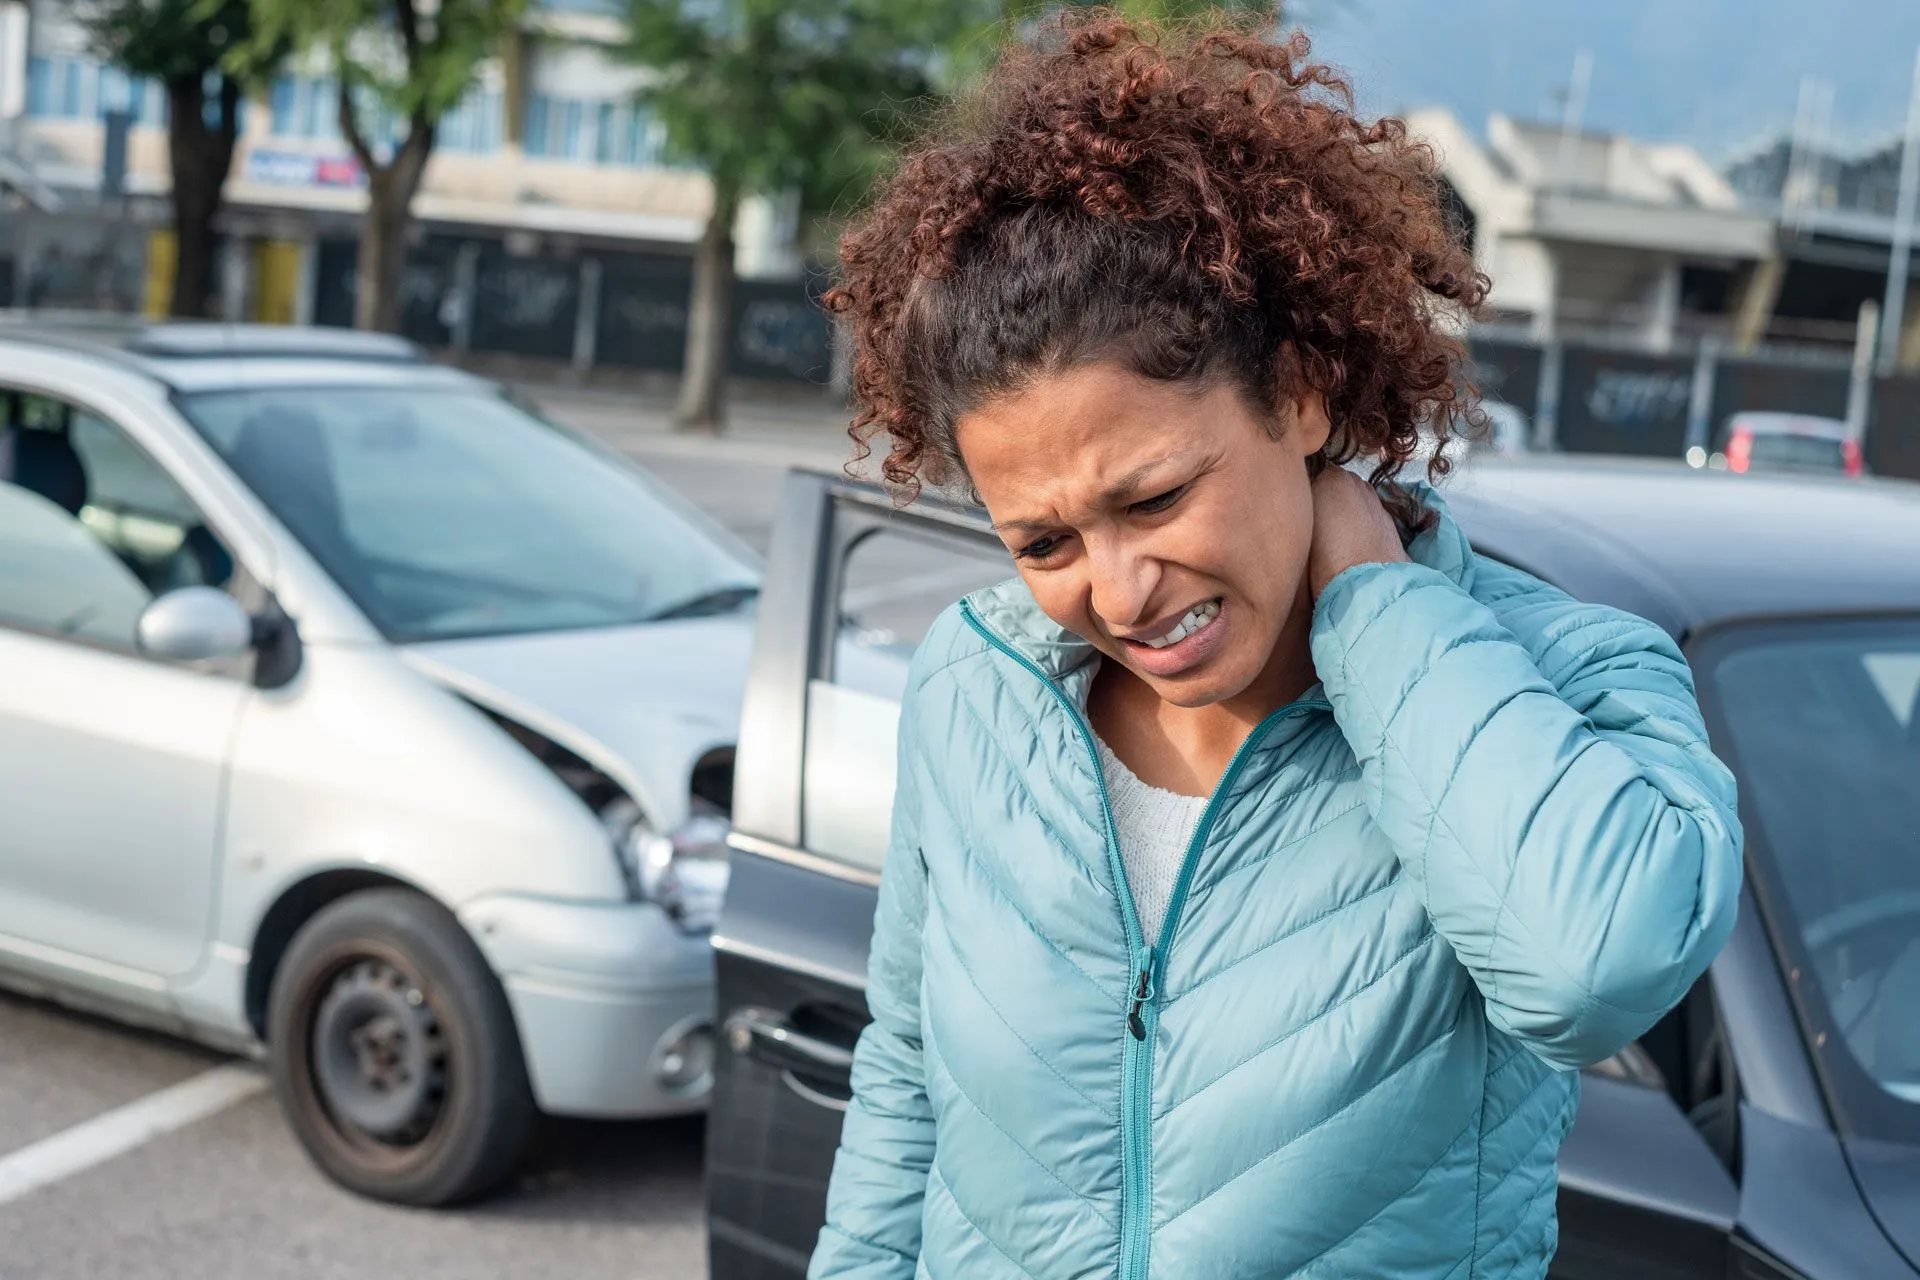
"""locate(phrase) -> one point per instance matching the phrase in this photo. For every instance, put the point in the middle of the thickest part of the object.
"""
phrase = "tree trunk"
(200, 158)
(381, 266)
(703, 380)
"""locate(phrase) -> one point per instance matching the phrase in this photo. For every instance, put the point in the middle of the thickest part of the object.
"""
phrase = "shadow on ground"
(631, 1172)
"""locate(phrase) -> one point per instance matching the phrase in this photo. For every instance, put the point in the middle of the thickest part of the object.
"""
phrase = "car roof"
(204, 355)
(1690, 549)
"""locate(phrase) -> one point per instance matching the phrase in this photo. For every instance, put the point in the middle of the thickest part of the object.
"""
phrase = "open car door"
(851, 586)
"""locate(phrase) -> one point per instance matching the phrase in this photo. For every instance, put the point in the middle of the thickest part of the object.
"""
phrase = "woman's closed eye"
(1040, 548)
(1159, 502)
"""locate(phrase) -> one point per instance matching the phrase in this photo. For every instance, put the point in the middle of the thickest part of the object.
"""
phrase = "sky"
(1721, 74)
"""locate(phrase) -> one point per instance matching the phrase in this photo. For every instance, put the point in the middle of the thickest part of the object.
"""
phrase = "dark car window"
(1797, 452)
(91, 528)
(448, 512)
(1824, 722)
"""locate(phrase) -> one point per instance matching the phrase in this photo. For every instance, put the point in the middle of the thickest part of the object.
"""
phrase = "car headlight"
(683, 870)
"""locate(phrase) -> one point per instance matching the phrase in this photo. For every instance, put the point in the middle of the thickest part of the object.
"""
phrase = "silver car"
(354, 716)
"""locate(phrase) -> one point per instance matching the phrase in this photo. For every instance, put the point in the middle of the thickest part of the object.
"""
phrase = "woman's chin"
(1202, 685)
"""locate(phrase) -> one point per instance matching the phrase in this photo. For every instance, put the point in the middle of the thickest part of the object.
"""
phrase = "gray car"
(356, 717)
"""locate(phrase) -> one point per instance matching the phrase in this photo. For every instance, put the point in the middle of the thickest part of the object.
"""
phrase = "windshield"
(447, 512)
(1824, 721)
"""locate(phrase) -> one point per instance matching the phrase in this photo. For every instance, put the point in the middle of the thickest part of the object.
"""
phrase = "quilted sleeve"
(1552, 799)
(886, 1146)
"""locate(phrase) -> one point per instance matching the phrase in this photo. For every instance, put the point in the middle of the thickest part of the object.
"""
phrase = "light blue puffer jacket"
(1489, 848)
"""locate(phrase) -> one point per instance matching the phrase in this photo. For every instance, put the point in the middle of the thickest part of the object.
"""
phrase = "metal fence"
(616, 309)
(1593, 399)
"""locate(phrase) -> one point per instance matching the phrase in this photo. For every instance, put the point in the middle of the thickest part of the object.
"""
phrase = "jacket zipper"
(1142, 1003)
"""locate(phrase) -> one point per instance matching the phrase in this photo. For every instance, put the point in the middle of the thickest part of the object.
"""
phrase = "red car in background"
(1787, 442)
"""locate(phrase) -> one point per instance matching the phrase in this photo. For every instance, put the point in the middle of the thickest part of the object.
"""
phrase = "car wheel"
(394, 1053)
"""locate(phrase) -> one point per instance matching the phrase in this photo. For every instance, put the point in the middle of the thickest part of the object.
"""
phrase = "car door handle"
(771, 1039)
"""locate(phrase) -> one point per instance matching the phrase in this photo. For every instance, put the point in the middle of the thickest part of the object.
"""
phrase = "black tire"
(394, 1053)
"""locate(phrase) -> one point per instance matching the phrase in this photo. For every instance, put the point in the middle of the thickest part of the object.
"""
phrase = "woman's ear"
(1310, 427)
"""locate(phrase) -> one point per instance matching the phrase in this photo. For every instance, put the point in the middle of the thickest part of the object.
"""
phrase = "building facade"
(1600, 237)
(549, 158)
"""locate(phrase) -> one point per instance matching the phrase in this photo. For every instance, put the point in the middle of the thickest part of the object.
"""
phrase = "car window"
(449, 513)
(1824, 720)
(892, 585)
(1783, 449)
(91, 528)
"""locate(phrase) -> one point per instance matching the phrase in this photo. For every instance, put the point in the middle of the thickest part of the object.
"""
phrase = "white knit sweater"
(1154, 827)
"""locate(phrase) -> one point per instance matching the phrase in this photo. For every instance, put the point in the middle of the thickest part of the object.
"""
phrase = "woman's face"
(1166, 525)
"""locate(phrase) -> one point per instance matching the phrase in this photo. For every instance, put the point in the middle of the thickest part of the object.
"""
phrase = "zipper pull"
(1142, 992)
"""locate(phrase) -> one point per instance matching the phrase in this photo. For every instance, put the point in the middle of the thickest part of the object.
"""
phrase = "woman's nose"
(1123, 581)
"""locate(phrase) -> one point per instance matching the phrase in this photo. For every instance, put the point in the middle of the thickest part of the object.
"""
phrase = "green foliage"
(415, 58)
(772, 95)
(169, 39)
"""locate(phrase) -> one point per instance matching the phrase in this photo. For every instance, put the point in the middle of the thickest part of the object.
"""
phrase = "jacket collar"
(1009, 611)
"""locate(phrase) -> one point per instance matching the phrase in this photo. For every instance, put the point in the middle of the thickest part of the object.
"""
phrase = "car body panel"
(642, 703)
(599, 991)
(1890, 1177)
(1800, 1204)
(68, 886)
(1715, 547)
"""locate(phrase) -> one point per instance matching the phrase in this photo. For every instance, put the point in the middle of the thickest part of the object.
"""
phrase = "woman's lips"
(1183, 655)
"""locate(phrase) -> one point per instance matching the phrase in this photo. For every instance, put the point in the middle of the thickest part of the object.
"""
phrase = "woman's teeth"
(1197, 617)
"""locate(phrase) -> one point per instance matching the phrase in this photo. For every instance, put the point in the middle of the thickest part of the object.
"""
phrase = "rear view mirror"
(195, 624)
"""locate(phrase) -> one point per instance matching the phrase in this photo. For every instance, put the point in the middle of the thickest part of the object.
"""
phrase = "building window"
(39, 87)
(643, 147)
(573, 141)
(305, 94)
(608, 119)
(113, 90)
(137, 101)
(490, 124)
(280, 107)
(70, 87)
(456, 127)
(473, 125)
(326, 109)
(538, 111)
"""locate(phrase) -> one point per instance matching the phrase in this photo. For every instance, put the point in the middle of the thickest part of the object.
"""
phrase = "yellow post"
(276, 280)
(162, 255)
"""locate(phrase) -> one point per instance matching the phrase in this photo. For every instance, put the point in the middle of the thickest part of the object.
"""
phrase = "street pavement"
(231, 1196)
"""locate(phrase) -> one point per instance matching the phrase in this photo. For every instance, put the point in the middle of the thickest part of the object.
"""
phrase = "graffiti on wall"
(1634, 398)
(786, 335)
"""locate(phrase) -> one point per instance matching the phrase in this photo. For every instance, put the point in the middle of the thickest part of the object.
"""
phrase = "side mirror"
(195, 624)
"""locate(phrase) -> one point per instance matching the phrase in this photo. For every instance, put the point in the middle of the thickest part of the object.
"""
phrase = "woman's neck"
(1187, 749)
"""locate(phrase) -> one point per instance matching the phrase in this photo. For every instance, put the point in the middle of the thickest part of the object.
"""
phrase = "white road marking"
(116, 1132)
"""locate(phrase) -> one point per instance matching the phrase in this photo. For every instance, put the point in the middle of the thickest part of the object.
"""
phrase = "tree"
(401, 66)
(185, 45)
(777, 96)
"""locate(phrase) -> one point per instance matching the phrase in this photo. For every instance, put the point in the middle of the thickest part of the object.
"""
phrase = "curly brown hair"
(1194, 202)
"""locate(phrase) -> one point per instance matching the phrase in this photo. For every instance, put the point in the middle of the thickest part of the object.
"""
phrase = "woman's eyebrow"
(1019, 526)
(1120, 491)
(1124, 488)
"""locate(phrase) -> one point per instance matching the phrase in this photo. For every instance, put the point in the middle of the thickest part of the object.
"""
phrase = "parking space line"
(116, 1132)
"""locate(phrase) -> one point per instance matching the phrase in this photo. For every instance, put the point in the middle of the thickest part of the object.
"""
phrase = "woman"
(1265, 863)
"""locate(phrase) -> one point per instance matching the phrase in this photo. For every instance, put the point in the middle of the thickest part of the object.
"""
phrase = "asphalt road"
(232, 1194)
